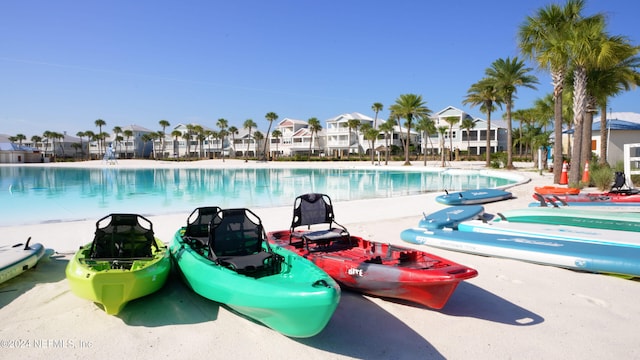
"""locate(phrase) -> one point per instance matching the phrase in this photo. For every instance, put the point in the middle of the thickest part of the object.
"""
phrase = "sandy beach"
(512, 309)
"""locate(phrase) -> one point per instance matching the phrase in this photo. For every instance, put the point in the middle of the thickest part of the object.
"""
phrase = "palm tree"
(468, 124)
(270, 116)
(186, 136)
(117, 130)
(248, 125)
(100, 123)
(426, 126)
(35, 139)
(20, 138)
(198, 130)
(91, 136)
(485, 94)
(314, 128)
(176, 134)
(508, 74)
(409, 106)
(276, 134)
(387, 128)
(609, 81)
(164, 124)
(370, 134)
(233, 131)
(590, 48)
(128, 134)
(258, 136)
(352, 124)
(223, 124)
(451, 120)
(47, 135)
(376, 107)
(442, 130)
(543, 37)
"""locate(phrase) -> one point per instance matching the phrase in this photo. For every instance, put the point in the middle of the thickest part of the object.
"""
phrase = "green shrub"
(602, 177)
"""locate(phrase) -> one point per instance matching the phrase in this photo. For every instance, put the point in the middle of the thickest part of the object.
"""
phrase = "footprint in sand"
(505, 278)
(594, 301)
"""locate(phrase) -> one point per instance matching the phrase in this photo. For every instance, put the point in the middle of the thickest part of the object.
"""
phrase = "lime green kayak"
(626, 221)
(238, 268)
(124, 262)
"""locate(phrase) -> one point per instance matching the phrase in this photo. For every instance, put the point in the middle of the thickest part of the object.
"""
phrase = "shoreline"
(512, 309)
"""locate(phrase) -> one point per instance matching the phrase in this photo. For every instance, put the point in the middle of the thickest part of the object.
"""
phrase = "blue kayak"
(451, 216)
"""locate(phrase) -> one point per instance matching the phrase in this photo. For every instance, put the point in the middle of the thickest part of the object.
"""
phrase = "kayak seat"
(196, 233)
(237, 240)
(315, 211)
(619, 182)
(123, 238)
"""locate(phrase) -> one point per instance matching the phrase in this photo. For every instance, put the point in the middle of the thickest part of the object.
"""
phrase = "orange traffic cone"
(564, 180)
(585, 174)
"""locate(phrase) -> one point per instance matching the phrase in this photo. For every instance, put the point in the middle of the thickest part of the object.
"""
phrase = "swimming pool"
(37, 194)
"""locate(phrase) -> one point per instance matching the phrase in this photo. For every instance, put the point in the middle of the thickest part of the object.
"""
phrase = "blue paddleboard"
(451, 216)
(582, 256)
(469, 197)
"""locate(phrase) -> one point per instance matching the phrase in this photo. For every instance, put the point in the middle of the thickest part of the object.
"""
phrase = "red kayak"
(556, 190)
(365, 266)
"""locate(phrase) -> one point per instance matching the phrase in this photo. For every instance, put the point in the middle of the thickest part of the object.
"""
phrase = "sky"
(64, 64)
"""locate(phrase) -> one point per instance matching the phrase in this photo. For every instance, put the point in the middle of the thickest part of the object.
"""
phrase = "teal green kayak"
(626, 221)
(284, 291)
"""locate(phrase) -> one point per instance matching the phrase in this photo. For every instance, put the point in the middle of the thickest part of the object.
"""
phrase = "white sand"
(511, 310)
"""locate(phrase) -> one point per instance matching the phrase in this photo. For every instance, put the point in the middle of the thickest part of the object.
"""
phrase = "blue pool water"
(45, 194)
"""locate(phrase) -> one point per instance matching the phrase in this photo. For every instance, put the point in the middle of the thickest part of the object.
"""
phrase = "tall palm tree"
(352, 125)
(20, 138)
(543, 37)
(371, 135)
(509, 74)
(117, 130)
(36, 140)
(176, 134)
(607, 81)
(223, 124)
(376, 107)
(426, 126)
(276, 134)
(258, 136)
(164, 124)
(409, 106)
(47, 135)
(451, 120)
(468, 124)
(233, 131)
(387, 128)
(128, 134)
(442, 130)
(100, 123)
(590, 48)
(314, 128)
(91, 137)
(248, 125)
(485, 94)
(270, 116)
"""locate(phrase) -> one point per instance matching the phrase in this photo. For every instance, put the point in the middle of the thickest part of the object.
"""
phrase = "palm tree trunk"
(579, 106)
(488, 146)
(604, 134)
(558, 78)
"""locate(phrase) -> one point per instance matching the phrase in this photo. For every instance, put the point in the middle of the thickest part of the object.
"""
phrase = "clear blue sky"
(64, 64)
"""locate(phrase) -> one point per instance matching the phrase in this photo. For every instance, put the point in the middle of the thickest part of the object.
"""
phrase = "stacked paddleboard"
(472, 197)
(573, 239)
(16, 259)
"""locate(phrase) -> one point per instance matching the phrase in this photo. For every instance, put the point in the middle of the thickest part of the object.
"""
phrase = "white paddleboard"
(16, 259)
(555, 232)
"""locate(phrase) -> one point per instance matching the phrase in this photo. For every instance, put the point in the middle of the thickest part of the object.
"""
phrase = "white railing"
(628, 159)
